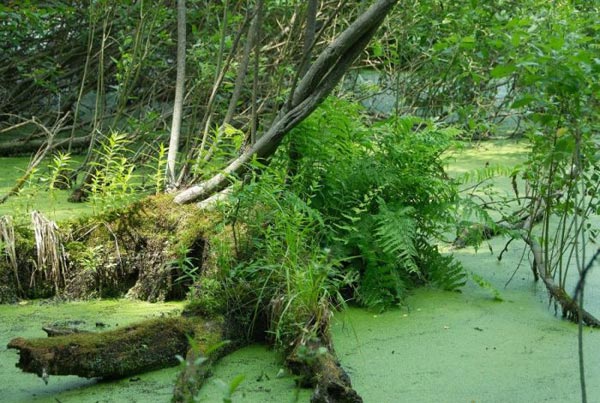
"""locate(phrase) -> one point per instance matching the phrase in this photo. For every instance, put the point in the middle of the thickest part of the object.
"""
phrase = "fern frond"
(443, 271)
(395, 234)
(381, 287)
(484, 174)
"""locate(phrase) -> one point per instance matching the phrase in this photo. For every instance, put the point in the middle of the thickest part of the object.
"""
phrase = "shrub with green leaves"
(284, 265)
(111, 183)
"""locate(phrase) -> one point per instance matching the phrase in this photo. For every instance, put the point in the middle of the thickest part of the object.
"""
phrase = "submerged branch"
(570, 307)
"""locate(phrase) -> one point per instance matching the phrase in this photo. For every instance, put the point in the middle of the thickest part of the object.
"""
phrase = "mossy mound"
(130, 251)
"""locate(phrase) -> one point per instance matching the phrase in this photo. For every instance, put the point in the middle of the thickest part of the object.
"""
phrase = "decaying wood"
(156, 344)
(55, 331)
(316, 363)
(119, 353)
(209, 345)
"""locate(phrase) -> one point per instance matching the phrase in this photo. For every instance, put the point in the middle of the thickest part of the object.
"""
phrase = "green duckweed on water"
(468, 347)
(34, 195)
(439, 347)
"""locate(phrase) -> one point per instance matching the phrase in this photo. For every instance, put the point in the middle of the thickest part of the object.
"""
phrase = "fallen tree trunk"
(157, 343)
(119, 353)
(208, 347)
(20, 147)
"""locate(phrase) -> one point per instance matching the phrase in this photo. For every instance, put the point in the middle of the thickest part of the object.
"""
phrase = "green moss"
(91, 341)
(207, 298)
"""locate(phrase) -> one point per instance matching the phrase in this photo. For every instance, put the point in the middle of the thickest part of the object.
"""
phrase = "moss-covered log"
(119, 353)
(316, 363)
(129, 251)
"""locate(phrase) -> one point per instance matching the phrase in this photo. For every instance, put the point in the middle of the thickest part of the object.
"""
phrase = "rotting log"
(318, 367)
(113, 354)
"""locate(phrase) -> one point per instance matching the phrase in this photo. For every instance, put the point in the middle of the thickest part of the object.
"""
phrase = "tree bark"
(18, 147)
(208, 347)
(569, 306)
(316, 364)
(179, 90)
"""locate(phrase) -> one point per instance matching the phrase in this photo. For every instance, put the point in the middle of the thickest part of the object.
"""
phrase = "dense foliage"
(357, 208)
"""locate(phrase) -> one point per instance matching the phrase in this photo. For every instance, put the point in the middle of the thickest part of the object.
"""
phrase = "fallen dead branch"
(114, 354)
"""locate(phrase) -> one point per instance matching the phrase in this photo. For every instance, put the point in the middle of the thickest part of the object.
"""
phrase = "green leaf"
(523, 101)
(377, 49)
(503, 70)
(236, 382)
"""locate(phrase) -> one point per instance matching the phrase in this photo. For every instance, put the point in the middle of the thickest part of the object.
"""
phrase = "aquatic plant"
(7, 245)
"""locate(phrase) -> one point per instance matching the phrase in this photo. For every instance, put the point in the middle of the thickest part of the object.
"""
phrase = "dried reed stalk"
(7, 238)
(51, 261)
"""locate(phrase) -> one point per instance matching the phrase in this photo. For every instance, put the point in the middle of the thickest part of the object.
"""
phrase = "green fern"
(395, 234)
(443, 271)
(486, 285)
(484, 174)
(381, 287)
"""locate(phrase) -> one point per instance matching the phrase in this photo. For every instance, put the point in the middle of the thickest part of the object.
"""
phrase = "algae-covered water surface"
(468, 347)
(438, 347)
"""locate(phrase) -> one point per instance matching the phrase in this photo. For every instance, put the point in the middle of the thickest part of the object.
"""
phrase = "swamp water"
(441, 347)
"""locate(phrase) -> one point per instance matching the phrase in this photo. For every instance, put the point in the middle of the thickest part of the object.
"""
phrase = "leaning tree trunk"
(318, 82)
